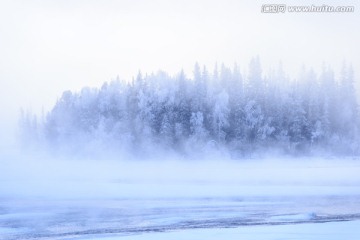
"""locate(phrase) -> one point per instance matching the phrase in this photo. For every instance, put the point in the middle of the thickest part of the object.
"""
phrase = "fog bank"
(43, 177)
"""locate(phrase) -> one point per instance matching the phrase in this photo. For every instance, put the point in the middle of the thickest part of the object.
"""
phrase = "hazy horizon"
(47, 48)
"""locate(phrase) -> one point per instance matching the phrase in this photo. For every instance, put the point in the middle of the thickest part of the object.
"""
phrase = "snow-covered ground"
(307, 199)
(326, 231)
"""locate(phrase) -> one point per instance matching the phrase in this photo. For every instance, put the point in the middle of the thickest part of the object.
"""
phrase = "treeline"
(222, 110)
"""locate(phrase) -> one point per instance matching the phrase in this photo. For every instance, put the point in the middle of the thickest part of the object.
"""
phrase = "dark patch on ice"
(184, 225)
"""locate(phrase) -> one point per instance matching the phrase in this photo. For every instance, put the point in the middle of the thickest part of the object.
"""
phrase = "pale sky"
(50, 46)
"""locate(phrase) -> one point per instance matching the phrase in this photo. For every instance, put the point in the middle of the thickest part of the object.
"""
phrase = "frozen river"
(121, 218)
(267, 201)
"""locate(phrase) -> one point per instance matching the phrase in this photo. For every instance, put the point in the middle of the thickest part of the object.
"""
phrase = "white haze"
(48, 47)
(44, 177)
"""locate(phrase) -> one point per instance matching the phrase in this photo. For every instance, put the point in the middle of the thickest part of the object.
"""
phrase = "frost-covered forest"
(245, 113)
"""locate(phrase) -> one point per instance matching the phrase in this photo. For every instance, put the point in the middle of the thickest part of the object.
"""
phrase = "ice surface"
(176, 218)
(71, 199)
(294, 217)
(324, 231)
